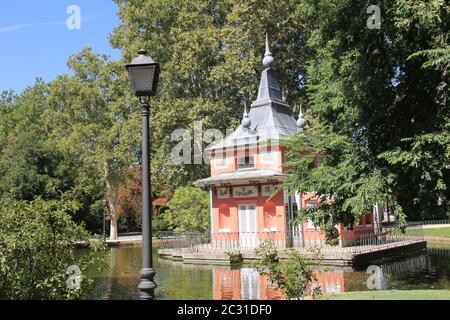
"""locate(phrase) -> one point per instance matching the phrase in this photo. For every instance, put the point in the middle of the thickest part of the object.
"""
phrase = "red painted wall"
(269, 212)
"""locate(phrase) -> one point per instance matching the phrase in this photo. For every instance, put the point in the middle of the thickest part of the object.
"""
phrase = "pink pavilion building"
(246, 168)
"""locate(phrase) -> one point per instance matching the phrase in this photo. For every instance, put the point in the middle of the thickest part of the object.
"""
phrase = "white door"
(247, 226)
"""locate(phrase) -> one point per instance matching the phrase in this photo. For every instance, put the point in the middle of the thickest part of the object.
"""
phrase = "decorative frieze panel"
(268, 190)
(223, 193)
(245, 192)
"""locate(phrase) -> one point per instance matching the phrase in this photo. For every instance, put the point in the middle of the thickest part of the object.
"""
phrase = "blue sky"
(35, 40)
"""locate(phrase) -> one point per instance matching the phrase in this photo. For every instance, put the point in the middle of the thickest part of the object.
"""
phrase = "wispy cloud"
(18, 27)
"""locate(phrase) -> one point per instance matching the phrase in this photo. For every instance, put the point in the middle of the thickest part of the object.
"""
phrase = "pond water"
(176, 280)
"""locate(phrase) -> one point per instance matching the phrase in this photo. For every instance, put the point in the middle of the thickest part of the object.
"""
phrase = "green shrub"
(293, 275)
(234, 257)
(188, 210)
(37, 244)
(159, 224)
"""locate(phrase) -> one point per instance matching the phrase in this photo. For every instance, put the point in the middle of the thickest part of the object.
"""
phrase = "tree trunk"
(113, 231)
(111, 195)
(113, 216)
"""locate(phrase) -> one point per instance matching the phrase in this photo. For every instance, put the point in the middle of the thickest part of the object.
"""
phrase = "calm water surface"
(176, 280)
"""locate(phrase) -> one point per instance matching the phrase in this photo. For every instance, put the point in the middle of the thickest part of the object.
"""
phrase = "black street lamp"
(144, 75)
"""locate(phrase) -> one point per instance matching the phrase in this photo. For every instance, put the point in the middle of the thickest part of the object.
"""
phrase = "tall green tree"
(30, 164)
(377, 109)
(210, 54)
(94, 121)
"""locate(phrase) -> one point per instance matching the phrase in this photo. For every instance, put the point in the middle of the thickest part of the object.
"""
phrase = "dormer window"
(246, 162)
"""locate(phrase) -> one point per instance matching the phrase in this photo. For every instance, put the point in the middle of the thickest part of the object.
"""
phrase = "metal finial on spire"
(268, 58)
(268, 53)
(246, 122)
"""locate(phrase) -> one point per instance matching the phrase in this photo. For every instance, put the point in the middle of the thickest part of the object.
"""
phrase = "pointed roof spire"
(268, 86)
(268, 58)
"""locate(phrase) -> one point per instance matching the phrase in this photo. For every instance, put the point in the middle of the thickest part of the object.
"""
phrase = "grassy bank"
(391, 295)
(438, 245)
(437, 232)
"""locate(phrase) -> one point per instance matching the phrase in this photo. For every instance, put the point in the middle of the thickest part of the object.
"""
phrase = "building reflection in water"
(243, 284)
(247, 284)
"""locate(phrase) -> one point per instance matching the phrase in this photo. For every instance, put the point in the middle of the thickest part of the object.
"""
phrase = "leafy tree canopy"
(377, 105)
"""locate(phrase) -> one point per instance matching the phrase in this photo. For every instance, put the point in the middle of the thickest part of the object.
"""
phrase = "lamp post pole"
(144, 75)
(146, 285)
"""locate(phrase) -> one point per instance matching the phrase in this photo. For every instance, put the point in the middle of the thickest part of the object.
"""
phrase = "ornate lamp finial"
(268, 58)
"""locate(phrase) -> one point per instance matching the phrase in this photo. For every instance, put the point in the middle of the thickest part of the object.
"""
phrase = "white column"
(376, 217)
(300, 225)
(211, 210)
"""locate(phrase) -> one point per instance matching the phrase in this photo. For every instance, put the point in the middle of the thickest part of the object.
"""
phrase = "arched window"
(224, 218)
(270, 219)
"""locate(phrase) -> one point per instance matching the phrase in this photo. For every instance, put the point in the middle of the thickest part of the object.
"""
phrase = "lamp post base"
(147, 286)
